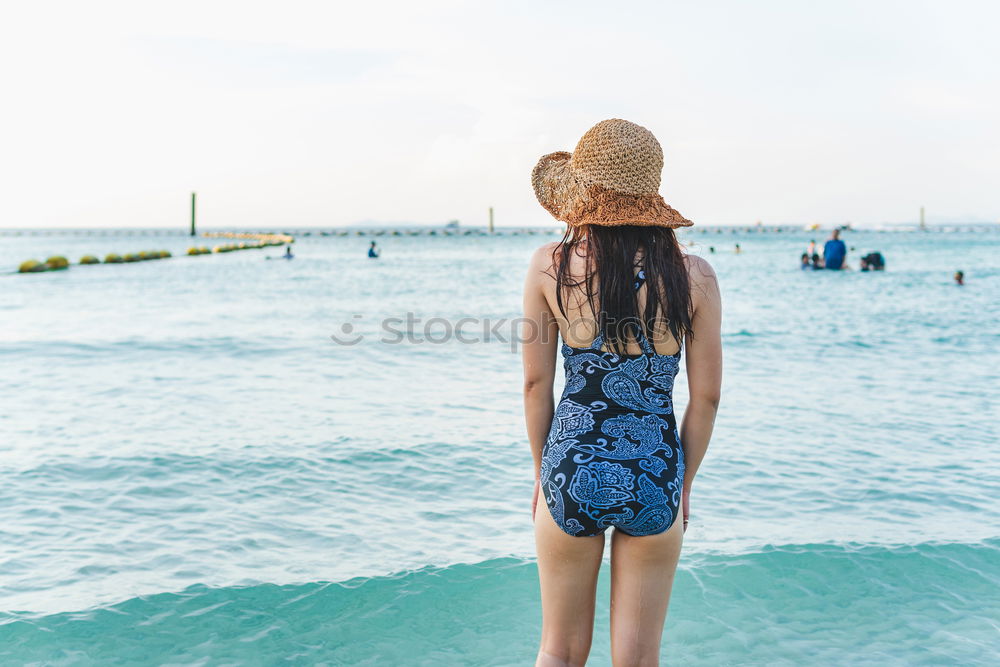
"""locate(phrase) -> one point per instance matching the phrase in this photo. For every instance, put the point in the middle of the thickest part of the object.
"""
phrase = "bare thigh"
(567, 572)
(642, 576)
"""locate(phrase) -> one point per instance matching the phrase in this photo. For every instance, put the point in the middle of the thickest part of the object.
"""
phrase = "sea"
(238, 459)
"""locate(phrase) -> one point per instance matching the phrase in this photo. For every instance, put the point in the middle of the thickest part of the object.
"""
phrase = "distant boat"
(452, 224)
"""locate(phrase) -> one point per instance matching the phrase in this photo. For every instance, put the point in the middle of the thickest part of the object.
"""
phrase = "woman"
(624, 298)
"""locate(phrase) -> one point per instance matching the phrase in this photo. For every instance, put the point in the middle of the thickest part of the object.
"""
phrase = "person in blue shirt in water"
(834, 252)
(373, 250)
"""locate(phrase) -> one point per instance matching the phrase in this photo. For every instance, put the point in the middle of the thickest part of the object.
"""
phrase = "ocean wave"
(791, 604)
(196, 346)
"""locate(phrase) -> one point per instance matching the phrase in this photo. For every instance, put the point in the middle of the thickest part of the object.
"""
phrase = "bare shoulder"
(704, 282)
(542, 258)
(699, 270)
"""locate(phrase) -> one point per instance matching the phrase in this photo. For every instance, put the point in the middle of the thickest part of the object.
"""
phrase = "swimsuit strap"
(647, 347)
(640, 279)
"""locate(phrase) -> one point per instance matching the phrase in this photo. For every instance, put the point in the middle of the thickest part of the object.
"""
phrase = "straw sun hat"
(612, 178)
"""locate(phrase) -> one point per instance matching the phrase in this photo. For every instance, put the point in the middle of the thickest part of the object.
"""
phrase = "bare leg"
(567, 572)
(642, 575)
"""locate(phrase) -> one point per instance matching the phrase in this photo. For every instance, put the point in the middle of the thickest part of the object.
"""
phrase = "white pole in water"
(923, 225)
(491, 219)
(193, 197)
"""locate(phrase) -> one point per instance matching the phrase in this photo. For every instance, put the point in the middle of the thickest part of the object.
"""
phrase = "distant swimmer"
(738, 250)
(288, 252)
(835, 252)
(873, 261)
(805, 261)
(817, 261)
(959, 277)
(373, 250)
(711, 248)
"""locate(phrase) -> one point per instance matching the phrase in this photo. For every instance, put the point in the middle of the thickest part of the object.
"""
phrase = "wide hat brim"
(568, 199)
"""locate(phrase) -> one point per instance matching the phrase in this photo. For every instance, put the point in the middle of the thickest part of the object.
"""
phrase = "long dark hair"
(608, 280)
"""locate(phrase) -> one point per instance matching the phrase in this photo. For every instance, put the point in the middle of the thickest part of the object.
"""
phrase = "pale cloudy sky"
(326, 113)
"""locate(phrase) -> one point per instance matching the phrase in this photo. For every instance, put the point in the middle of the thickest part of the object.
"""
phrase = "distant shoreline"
(478, 230)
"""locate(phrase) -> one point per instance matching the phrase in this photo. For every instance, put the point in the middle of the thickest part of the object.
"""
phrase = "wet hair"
(609, 280)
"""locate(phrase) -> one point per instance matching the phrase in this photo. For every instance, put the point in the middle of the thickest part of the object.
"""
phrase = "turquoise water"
(194, 472)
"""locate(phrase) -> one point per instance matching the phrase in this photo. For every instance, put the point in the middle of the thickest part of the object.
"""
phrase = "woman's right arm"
(704, 369)
(539, 348)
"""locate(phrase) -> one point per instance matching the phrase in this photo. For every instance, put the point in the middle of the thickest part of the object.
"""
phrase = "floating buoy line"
(257, 241)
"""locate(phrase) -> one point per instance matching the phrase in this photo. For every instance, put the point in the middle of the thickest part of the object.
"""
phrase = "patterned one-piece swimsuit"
(613, 456)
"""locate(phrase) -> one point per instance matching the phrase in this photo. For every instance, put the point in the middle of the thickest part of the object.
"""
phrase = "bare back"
(579, 328)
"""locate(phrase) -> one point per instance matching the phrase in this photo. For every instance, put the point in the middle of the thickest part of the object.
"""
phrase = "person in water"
(804, 263)
(618, 298)
(817, 261)
(959, 277)
(873, 261)
(834, 252)
(373, 250)
(738, 250)
(288, 252)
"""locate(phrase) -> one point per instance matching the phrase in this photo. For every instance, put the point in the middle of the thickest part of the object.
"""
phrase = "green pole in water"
(491, 219)
(193, 196)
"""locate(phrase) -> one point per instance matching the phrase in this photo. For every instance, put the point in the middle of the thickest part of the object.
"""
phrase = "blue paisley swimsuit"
(613, 455)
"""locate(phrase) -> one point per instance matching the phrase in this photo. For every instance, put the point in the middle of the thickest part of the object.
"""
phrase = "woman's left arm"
(539, 340)
(704, 371)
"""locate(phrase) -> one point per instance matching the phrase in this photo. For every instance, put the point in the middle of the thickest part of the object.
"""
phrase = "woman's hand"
(534, 499)
(686, 505)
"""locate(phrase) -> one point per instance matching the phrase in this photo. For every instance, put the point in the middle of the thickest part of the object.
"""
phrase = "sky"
(324, 113)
